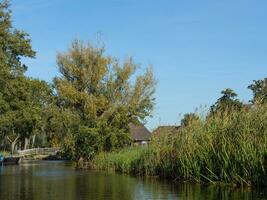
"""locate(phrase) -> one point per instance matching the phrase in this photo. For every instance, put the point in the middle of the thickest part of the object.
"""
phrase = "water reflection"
(59, 180)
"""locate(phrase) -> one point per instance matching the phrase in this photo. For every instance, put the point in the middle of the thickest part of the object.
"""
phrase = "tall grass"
(228, 148)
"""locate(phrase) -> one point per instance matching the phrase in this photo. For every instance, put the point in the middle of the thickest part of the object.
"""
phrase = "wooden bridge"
(39, 151)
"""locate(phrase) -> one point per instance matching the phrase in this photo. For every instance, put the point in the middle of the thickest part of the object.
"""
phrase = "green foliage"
(59, 124)
(116, 139)
(259, 89)
(14, 44)
(226, 103)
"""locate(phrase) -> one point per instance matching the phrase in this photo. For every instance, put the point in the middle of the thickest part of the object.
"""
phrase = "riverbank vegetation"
(226, 147)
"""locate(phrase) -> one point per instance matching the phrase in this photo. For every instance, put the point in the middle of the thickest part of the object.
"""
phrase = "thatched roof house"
(139, 133)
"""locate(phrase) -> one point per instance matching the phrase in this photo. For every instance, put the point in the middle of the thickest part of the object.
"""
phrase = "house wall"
(140, 143)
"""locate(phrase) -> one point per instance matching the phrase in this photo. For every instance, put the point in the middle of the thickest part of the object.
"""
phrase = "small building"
(140, 134)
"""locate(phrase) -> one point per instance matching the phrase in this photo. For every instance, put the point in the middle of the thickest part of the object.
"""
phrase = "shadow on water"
(59, 180)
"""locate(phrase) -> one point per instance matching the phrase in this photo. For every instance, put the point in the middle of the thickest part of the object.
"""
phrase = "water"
(44, 180)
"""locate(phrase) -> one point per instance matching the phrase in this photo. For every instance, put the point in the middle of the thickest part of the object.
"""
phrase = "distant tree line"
(229, 102)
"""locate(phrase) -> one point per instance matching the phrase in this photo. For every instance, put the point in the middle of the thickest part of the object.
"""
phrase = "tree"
(259, 89)
(33, 98)
(22, 120)
(226, 103)
(21, 98)
(101, 90)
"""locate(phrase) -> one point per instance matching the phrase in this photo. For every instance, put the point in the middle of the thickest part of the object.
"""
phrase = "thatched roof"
(166, 130)
(139, 132)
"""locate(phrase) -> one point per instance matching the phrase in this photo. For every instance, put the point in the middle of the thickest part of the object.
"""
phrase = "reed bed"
(225, 148)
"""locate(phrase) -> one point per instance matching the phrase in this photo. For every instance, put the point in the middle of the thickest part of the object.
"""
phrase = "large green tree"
(21, 98)
(103, 92)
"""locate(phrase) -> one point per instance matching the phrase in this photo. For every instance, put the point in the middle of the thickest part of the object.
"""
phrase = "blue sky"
(197, 48)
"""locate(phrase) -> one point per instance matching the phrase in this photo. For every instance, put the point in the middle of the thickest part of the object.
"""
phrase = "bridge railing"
(39, 151)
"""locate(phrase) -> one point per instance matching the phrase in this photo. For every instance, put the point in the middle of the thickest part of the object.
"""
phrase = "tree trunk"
(19, 145)
(13, 143)
(33, 140)
(26, 143)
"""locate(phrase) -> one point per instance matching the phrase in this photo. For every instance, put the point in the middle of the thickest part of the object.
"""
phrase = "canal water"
(45, 180)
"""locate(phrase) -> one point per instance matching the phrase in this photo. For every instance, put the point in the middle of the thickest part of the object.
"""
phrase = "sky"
(197, 48)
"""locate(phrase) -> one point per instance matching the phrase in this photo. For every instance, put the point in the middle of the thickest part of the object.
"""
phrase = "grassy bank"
(227, 148)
